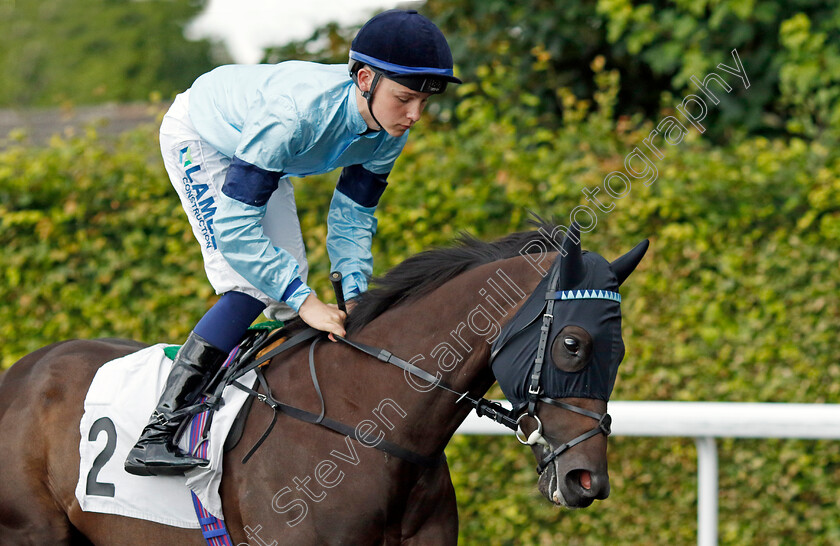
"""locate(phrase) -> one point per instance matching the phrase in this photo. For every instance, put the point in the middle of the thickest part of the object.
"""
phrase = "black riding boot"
(155, 453)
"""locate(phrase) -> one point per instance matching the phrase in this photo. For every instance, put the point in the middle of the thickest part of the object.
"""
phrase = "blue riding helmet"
(405, 47)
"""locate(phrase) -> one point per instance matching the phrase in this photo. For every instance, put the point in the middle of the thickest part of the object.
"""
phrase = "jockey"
(230, 144)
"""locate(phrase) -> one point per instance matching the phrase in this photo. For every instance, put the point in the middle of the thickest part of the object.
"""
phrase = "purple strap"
(213, 529)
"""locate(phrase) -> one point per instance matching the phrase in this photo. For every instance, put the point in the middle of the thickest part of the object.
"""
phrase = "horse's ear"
(571, 263)
(624, 265)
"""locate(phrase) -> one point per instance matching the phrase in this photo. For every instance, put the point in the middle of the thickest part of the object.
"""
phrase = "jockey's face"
(395, 106)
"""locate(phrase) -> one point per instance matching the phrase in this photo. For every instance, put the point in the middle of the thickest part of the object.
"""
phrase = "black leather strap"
(595, 415)
(559, 451)
(483, 407)
(603, 427)
(497, 412)
(534, 389)
(290, 343)
(390, 358)
(331, 424)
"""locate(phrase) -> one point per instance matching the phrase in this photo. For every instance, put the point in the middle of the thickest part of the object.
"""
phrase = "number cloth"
(125, 392)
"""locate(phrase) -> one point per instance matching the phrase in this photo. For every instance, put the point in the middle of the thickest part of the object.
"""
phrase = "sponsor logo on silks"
(202, 208)
(186, 157)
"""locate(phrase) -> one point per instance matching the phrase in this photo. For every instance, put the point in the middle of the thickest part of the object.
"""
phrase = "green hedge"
(736, 300)
(789, 50)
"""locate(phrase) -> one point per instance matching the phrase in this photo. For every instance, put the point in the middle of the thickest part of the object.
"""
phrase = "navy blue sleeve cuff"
(249, 184)
(291, 288)
(361, 185)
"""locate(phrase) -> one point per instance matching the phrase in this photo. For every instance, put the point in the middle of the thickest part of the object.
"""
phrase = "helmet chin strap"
(368, 96)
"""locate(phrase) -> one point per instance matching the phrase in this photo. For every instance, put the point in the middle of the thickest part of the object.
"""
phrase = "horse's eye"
(571, 349)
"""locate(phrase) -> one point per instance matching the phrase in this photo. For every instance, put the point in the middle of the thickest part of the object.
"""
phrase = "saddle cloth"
(121, 397)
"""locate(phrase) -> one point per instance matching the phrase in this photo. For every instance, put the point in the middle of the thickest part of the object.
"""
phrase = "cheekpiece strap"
(534, 389)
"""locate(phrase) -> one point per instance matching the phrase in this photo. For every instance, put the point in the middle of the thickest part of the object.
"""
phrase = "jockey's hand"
(319, 315)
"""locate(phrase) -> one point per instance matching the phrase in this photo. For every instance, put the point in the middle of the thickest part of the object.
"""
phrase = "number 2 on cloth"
(103, 424)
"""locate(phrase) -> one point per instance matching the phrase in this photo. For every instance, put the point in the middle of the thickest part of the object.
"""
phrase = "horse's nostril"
(585, 483)
(586, 479)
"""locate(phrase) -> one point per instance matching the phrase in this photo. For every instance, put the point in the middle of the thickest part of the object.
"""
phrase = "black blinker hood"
(592, 304)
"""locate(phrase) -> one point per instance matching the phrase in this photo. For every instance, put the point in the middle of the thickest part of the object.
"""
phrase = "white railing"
(705, 421)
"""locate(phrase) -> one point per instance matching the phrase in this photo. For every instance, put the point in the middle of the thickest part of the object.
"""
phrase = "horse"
(456, 312)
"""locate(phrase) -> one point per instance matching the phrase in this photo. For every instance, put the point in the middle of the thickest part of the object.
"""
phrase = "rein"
(483, 407)
(321, 419)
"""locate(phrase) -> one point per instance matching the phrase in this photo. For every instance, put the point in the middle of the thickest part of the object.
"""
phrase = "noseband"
(603, 427)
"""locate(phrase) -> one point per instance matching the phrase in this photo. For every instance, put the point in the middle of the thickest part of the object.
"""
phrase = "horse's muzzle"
(573, 486)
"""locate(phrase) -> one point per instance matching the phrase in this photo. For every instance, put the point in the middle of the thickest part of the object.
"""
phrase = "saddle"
(259, 340)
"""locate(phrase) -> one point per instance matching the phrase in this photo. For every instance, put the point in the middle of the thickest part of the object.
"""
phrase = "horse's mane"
(423, 272)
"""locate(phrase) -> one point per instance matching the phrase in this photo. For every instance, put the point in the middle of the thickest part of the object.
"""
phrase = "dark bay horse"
(444, 311)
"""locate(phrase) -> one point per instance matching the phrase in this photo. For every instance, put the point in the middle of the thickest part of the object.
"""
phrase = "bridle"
(535, 389)
(482, 406)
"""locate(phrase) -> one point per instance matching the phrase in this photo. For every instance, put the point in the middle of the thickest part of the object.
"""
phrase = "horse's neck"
(447, 333)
